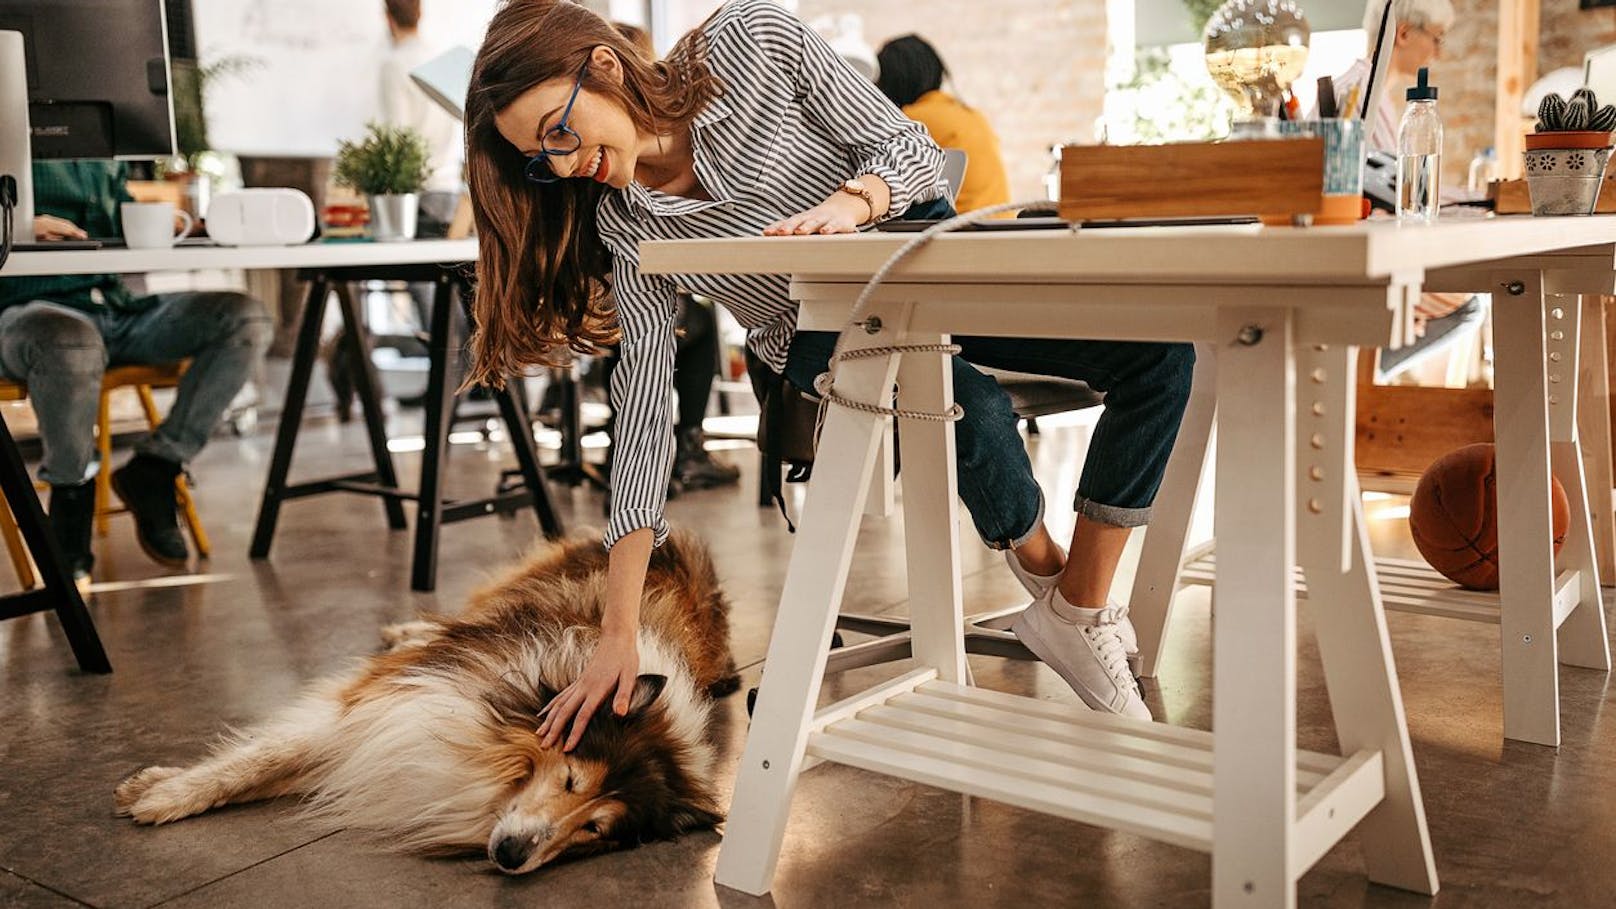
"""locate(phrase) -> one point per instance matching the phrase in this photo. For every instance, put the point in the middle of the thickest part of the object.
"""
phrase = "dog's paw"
(409, 634)
(171, 797)
(138, 784)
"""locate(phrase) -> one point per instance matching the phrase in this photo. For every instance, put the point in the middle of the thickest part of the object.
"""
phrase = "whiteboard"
(317, 65)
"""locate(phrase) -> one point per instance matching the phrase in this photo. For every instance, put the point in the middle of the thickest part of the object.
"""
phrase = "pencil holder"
(1343, 166)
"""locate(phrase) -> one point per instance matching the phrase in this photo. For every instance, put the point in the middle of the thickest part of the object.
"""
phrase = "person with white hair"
(1421, 27)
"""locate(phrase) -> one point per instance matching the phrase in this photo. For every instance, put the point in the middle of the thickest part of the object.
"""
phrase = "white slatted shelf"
(1144, 778)
(1407, 585)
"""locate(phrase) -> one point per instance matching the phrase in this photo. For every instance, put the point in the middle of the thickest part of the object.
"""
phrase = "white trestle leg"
(1254, 626)
(1526, 574)
(1350, 625)
(1161, 559)
(1581, 634)
(815, 580)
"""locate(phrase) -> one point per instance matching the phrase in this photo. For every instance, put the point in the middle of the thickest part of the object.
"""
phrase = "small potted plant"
(389, 166)
(1567, 154)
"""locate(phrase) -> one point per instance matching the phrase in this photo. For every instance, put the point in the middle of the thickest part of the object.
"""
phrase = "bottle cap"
(1423, 91)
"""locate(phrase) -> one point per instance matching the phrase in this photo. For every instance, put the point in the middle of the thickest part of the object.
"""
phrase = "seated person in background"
(58, 334)
(911, 74)
(1421, 27)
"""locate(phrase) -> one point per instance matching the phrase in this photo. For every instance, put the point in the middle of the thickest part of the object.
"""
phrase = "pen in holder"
(1343, 166)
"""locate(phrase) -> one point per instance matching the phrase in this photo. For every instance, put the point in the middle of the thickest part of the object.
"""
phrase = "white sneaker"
(1087, 651)
(1038, 585)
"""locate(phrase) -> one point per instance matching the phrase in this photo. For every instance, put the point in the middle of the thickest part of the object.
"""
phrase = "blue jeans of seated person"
(61, 354)
(1146, 386)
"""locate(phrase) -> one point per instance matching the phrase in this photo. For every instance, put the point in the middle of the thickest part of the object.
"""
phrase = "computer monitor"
(98, 79)
(1599, 72)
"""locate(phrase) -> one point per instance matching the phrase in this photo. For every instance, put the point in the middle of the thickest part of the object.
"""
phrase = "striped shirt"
(794, 121)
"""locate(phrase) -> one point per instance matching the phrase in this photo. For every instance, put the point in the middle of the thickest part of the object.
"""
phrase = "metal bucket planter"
(393, 218)
(1564, 171)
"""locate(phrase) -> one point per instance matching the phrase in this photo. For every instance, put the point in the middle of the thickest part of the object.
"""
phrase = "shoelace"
(1112, 656)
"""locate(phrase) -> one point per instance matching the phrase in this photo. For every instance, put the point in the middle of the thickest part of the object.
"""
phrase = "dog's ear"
(695, 816)
(646, 690)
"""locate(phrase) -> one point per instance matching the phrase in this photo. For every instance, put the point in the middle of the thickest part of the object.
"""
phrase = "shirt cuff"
(902, 197)
(624, 523)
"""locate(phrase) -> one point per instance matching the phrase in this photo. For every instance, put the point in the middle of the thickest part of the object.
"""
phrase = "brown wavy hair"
(543, 274)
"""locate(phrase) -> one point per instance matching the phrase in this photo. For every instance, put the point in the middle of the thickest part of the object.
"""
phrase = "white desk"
(331, 265)
(198, 258)
(1281, 312)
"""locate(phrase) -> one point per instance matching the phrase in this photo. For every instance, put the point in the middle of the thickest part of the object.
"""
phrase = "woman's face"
(608, 143)
(1417, 46)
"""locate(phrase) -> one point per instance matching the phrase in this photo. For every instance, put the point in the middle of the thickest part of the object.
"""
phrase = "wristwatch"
(857, 188)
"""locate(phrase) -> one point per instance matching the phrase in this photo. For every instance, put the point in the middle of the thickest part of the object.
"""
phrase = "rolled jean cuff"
(1111, 514)
(1017, 541)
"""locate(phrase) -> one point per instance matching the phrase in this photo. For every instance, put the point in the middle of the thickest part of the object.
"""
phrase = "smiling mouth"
(597, 166)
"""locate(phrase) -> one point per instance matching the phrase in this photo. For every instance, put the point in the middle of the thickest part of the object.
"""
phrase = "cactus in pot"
(1566, 155)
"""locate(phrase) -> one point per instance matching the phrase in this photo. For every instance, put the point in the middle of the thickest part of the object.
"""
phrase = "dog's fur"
(431, 745)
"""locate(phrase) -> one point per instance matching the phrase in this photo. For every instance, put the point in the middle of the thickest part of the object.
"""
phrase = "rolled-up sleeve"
(851, 110)
(642, 395)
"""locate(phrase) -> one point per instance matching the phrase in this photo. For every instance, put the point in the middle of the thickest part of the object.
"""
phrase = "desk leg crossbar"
(433, 511)
(1264, 809)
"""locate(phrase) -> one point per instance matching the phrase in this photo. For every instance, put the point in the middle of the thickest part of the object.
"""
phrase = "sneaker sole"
(1045, 654)
(155, 556)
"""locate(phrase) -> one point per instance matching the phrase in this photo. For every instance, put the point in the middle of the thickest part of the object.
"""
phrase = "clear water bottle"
(1419, 155)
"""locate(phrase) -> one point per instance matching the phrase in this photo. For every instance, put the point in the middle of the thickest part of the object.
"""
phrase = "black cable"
(8, 204)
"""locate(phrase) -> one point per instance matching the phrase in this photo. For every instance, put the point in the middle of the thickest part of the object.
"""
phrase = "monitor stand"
(16, 158)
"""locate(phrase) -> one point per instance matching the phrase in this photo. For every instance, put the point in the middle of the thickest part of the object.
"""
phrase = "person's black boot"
(694, 468)
(146, 486)
(72, 514)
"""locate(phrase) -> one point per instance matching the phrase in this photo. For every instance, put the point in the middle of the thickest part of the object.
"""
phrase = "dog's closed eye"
(569, 781)
(591, 827)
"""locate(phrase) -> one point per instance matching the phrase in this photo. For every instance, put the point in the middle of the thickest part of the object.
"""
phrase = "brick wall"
(1035, 67)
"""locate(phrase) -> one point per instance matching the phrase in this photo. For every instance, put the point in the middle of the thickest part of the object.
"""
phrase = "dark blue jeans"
(1146, 387)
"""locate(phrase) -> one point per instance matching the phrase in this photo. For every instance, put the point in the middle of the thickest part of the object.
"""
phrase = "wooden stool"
(142, 378)
(12, 391)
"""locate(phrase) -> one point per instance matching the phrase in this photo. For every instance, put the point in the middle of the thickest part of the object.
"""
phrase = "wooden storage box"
(1279, 177)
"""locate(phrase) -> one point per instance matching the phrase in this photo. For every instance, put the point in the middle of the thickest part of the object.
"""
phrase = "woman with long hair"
(579, 149)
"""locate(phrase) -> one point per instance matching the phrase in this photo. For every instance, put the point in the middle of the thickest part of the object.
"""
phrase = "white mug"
(150, 225)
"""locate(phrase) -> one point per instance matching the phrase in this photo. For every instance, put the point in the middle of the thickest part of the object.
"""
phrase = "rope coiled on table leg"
(825, 384)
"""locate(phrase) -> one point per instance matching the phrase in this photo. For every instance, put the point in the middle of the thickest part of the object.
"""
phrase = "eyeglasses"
(559, 141)
(1436, 37)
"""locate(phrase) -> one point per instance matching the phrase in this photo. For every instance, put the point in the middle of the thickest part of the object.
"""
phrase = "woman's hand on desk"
(840, 214)
(48, 227)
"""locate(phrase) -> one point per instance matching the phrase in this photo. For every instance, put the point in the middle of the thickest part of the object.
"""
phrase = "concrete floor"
(1513, 825)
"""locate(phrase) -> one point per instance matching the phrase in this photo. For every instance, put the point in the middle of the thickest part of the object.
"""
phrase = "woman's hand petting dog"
(611, 671)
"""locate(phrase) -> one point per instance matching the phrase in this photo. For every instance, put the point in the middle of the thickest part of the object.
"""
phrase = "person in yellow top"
(911, 74)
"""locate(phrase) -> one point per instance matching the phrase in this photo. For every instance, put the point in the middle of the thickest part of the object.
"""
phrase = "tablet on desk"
(914, 227)
(53, 245)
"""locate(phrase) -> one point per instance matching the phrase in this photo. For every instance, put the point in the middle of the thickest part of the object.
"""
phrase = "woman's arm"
(850, 110)
(615, 663)
(642, 463)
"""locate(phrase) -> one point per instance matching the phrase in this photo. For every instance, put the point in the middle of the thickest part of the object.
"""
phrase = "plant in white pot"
(389, 166)
(1567, 155)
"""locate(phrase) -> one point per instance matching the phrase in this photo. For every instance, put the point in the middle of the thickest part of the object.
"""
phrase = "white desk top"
(194, 258)
(1368, 252)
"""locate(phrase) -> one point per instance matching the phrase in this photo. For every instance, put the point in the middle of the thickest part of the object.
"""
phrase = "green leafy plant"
(389, 161)
(1161, 105)
(1200, 11)
(1582, 111)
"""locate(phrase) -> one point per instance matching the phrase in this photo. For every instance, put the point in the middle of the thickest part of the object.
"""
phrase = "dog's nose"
(511, 853)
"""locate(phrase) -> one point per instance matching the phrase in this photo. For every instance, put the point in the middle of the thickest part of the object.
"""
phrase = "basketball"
(1454, 516)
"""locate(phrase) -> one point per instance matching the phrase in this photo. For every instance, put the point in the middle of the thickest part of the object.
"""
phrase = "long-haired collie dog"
(432, 746)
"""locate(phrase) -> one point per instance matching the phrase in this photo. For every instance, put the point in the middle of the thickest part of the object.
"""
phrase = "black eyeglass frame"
(538, 167)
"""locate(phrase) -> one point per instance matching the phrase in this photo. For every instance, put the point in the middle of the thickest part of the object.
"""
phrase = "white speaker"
(261, 217)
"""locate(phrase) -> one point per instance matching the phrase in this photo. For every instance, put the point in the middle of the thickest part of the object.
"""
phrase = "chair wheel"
(751, 701)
